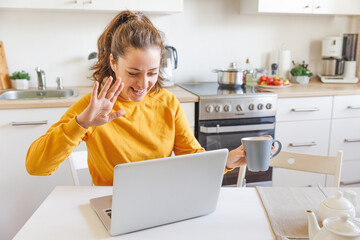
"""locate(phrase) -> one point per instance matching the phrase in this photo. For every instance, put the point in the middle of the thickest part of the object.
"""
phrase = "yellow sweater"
(150, 129)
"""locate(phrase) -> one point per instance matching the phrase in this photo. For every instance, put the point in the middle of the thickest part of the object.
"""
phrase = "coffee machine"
(339, 59)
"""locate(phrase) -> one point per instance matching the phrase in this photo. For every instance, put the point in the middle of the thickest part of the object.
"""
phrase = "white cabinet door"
(42, 4)
(308, 108)
(189, 109)
(324, 6)
(310, 137)
(285, 6)
(350, 173)
(154, 6)
(345, 136)
(346, 106)
(21, 194)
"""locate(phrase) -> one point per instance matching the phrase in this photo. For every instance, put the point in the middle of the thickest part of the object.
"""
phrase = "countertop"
(314, 89)
(317, 89)
(183, 96)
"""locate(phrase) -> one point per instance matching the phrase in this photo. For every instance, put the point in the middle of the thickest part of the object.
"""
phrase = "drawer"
(310, 108)
(345, 136)
(346, 106)
(310, 137)
(350, 172)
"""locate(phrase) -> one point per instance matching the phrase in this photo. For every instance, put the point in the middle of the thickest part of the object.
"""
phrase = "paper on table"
(286, 208)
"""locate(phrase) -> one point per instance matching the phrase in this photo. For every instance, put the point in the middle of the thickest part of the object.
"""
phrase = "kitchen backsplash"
(207, 34)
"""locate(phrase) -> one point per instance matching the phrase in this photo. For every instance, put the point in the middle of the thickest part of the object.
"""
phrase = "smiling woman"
(127, 120)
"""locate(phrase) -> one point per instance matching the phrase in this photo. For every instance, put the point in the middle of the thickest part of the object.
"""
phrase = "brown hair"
(127, 29)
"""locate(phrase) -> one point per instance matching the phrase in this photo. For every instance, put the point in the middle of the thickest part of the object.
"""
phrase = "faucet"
(41, 78)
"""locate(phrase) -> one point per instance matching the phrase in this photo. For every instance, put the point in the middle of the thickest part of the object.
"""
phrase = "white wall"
(208, 34)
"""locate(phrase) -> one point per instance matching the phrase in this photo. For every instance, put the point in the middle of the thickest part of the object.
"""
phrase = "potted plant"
(20, 80)
(300, 74)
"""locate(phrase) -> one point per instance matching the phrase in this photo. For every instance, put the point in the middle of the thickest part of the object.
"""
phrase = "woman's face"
(139, 70)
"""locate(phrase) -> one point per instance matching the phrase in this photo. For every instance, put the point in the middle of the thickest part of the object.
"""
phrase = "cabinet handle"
(352, 140)
(44, 122)
(353, 107)
(303, 144)
(349, 182)
(318, 7)
(76, 1)
(88, 2)
(305, 109)
(307, 6)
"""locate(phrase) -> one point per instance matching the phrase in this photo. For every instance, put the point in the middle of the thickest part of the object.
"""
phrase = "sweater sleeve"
(47, 152)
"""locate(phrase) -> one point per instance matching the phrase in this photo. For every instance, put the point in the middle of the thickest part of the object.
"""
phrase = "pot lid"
(338, 202)
(232, 68)
(342, 225)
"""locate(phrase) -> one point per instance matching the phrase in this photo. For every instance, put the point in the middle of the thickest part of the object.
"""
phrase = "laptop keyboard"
(108, 212)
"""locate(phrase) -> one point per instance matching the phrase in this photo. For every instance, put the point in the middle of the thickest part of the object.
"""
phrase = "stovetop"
(216, 102)
(206, 89)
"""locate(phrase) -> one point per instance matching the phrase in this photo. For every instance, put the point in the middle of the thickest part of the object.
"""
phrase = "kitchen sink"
(38, 94)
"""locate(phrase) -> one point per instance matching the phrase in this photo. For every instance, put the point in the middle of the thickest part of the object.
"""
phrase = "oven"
(224, 116)
(216, 134)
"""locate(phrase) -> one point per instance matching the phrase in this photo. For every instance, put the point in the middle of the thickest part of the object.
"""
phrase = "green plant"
(20, 75)
(300, 71)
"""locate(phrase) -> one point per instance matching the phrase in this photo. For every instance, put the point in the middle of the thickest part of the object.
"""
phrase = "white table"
(66, 214)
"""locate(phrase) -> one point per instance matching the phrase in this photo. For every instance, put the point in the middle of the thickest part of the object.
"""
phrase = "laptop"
(161, 191)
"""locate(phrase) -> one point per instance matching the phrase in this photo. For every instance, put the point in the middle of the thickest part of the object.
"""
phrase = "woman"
(131, 118)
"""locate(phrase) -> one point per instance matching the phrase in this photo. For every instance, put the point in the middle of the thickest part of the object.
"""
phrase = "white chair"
(77, 161)
(304, 162)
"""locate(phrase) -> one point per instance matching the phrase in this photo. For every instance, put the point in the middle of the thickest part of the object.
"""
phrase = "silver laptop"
(161, 191)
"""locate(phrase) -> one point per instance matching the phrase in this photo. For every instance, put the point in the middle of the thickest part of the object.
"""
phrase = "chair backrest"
(77, 161)
(304, 162)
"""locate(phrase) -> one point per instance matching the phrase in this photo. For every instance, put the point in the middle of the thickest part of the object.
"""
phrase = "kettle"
(334, 228)
(171, 63)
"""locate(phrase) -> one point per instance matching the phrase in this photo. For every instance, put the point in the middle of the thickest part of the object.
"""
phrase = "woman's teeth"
(139, 91)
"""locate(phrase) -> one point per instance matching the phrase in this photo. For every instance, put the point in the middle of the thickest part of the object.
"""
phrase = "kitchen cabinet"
(345, 136)
(21, 194)
(302, 126)
(332, 7)
(189, 109)
(155, 6)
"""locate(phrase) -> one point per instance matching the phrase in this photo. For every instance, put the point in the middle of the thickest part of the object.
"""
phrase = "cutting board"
(4, 72)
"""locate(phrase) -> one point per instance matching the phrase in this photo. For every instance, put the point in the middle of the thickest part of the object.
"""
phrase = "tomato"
(278, 82)
(270, 81)
(263, 78)
(286, 82)
(263, 83)
(259, 82)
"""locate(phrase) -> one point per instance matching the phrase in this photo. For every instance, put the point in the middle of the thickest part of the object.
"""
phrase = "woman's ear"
(112, 62)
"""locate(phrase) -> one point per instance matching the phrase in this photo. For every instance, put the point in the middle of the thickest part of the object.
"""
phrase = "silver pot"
(231, 77)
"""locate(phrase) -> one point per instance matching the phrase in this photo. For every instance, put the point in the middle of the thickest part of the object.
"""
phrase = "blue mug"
(258, 152)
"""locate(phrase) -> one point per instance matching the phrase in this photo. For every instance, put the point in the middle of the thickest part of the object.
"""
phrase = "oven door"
(216, 134)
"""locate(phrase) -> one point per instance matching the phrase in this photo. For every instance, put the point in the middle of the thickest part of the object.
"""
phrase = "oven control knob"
(227, 108)
(209, 108)
(251, 107)
(239, 108)
(260, 106)
(217, 108)
(268, 106)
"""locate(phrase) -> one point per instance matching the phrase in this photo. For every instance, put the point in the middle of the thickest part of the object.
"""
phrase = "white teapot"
(334, 228)
(338, 204)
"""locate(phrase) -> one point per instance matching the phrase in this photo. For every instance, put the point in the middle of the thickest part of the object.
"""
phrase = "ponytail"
(127, 29)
